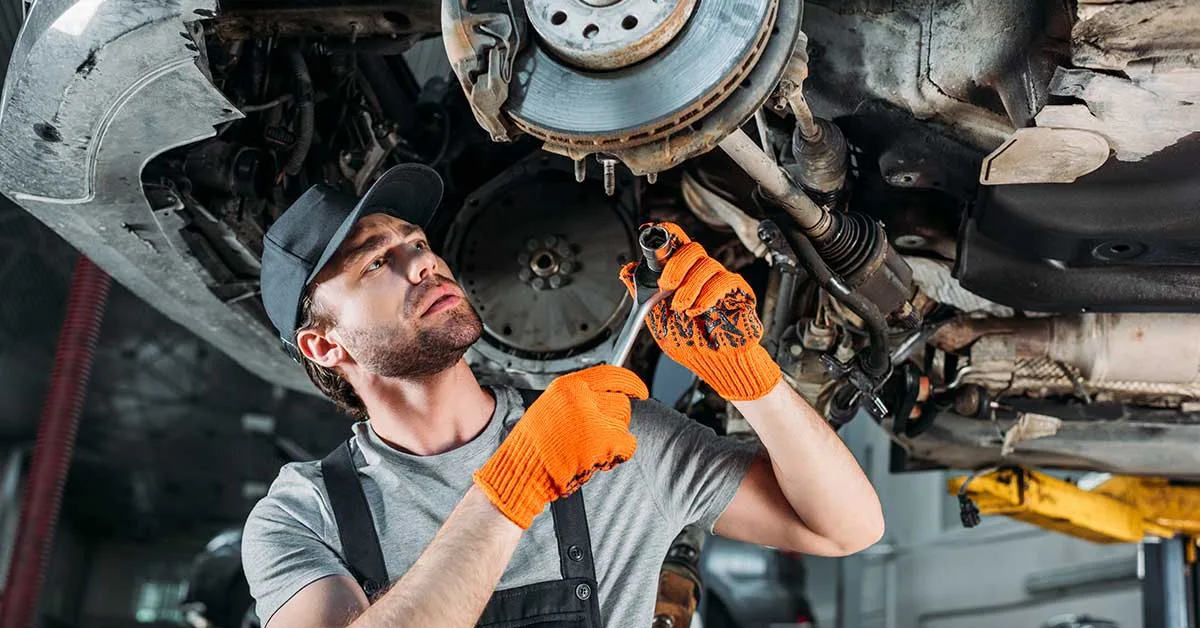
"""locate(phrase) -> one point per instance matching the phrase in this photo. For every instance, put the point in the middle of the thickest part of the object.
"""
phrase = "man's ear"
(319, 347)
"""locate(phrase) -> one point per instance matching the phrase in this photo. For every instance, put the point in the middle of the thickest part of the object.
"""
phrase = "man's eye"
(421, 245)
(376, 264)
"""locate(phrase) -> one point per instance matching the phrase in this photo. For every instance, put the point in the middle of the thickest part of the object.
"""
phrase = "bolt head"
(526, 274)
(567, 267)
(539, 283)
(550, 241)
(523, 259)
(532, 244)
(556, 281)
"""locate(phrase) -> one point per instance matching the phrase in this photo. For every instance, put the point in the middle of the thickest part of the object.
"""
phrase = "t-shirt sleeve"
(282, 546)
(693, 473)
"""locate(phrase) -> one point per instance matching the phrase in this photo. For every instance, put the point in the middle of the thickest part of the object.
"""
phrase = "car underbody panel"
(94, 92)
(989, 208)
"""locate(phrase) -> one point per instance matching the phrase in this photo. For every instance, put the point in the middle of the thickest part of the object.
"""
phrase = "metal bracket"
(865, 388)
(783, 258)
(483, 38)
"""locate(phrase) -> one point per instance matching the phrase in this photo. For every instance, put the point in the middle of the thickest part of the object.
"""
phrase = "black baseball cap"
(307, 234)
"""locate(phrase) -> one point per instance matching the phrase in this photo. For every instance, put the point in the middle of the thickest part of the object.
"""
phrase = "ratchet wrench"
(657, 245)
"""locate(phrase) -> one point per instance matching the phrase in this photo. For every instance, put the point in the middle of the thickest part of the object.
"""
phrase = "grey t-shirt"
(681, 473)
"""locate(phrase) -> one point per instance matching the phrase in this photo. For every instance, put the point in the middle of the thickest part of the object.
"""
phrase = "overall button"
(583, 591)
(574, 553)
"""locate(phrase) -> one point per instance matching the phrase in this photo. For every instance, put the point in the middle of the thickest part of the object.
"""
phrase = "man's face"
(396, 309)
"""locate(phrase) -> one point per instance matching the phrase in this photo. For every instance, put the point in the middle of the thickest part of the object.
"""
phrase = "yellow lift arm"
(1123, 509)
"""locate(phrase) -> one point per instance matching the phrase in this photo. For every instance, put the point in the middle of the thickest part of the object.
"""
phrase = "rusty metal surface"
(946, 62)
(1136, 71)
(1104, 347)
(1112, 359)
(368, 20)
(1139, 114)
(1151, 360)
(604, 35)
(774, 181)
(482, 46)
(1162, 348)
(959, 334)
(689, 141)
(1112, 35)
(707, 61)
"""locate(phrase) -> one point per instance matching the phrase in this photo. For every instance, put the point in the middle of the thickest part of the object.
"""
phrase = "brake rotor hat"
(307, 235)
(607, 34)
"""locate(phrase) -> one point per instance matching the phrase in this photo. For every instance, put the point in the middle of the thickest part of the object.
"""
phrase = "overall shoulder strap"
(574, 540)
(570, 524)
(356, 529)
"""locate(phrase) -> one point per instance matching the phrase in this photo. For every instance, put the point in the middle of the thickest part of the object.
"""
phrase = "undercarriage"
(972, 221)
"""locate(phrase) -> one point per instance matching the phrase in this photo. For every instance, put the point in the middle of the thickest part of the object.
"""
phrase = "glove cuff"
(742, 376)
(515, 481)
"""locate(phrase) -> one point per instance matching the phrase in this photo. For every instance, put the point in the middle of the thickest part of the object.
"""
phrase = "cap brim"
(410, 192)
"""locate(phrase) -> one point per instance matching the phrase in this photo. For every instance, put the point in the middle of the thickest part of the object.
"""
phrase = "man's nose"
(421, 264)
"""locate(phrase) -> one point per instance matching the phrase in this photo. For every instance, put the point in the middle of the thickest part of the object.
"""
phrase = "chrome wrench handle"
(657, 245)
(633, 325)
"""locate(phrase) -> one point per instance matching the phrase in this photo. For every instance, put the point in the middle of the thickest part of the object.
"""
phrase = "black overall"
(571, 602)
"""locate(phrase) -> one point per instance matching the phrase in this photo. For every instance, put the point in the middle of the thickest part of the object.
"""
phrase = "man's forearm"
(451, 582)
(818, 475)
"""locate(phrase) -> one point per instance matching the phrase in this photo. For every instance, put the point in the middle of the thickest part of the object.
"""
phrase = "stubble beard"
(391, 350)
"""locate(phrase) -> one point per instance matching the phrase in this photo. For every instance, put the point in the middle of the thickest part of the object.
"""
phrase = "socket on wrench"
(657, 245)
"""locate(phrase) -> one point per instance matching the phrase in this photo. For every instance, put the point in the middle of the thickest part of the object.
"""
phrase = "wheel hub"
(547, 262)
(607, 34)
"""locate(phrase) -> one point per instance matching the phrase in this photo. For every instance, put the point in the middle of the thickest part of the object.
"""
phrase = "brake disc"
(678, 83)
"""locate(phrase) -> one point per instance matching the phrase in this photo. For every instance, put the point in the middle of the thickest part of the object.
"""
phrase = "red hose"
(55, 442)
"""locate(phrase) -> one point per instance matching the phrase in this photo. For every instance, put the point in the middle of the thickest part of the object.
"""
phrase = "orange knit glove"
(709, 325)
(578, 426)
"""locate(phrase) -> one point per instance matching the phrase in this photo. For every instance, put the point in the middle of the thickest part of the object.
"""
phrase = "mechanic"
(454, 504)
